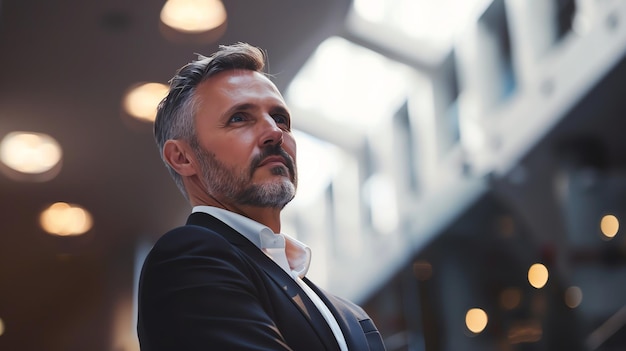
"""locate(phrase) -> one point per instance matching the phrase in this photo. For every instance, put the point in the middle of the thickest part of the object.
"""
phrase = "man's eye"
(280, 119)
(237, 118)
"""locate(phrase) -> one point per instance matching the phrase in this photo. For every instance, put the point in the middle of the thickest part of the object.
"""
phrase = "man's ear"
(179, 156)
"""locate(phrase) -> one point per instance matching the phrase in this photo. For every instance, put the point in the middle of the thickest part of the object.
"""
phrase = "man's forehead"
(238, 77)
(239, 86)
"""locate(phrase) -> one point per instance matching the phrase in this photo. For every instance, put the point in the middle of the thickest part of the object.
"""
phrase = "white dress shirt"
(293, 256)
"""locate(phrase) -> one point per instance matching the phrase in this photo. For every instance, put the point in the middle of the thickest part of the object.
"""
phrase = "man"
(228, 280)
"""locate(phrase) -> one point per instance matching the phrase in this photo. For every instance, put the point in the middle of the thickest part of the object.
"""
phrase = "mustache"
(274, 150)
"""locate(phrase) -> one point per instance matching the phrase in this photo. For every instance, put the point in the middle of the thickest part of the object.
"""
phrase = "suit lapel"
(277, 274)
(350, 326)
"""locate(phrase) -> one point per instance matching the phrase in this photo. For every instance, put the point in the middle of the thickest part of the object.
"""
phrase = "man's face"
(246, 150)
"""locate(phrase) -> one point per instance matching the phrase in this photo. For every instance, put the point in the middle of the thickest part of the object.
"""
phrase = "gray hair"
(175, 113)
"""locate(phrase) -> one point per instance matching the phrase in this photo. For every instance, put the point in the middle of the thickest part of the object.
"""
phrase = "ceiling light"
(141, 101)
(193, 16)
(28, 152)
(65, 219)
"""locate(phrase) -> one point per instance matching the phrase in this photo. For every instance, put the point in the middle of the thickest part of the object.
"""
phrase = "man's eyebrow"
(281, 109)
(246, 106)
(239, 107)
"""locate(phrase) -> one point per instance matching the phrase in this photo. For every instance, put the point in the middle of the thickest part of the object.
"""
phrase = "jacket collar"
(298, 254)
(277, 274)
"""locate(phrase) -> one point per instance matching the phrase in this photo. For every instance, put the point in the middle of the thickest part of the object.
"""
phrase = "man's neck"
(264, 215)
(268, 216)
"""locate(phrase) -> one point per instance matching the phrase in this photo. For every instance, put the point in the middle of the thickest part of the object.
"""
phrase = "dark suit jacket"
(206, 287)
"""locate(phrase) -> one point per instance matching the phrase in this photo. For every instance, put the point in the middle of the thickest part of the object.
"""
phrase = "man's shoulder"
(189, 238)
(190, 245)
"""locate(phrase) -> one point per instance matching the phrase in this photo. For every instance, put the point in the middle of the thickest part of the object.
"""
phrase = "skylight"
(350, 85)
(317, 163)
(425, 20)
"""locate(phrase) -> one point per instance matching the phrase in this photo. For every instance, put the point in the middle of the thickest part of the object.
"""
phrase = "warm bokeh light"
(505, 226)
(65, 219)
(573, 296)
(193, 16)
(423, 270)
(28, 152)
(1, 327)
(141, 101)
(538, 275)
(476, 320)
(525, 332)
(510, 298)
(609, 226)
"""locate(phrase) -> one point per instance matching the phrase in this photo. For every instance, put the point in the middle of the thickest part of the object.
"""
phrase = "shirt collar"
(298, 254)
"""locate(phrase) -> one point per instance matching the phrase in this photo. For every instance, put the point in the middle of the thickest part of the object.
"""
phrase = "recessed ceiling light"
(30, 153)
(193, 16)
(141, 101)
(65, 219)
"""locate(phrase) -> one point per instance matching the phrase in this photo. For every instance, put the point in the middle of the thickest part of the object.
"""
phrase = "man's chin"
(275, 193)
(279, 184)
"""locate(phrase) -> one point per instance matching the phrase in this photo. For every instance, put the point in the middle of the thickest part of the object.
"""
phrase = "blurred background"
(461, 162)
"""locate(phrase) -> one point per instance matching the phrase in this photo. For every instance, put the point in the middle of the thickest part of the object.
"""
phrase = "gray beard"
(274, 195)
(236, 188)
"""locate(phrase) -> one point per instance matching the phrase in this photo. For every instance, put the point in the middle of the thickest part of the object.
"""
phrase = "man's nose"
(272, 134)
